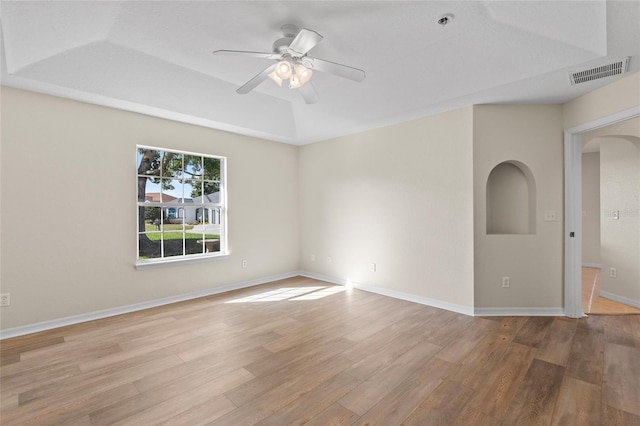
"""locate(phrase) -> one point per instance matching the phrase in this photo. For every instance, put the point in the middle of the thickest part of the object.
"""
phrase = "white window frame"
(221, 205)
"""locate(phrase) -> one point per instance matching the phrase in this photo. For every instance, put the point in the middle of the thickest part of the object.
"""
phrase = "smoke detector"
(616, 68)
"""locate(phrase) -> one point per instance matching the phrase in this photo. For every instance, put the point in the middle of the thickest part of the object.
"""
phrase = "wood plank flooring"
(304, 352)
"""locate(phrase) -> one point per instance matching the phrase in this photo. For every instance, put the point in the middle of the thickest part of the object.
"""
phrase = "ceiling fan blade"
(345, 71)
(304, 42)
(308, 93)
(251, 84)
(244, 53)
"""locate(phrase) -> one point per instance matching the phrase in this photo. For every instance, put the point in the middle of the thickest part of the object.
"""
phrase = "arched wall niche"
(511, 199)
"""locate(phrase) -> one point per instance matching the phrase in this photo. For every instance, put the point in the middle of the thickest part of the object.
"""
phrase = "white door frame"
(573, 207)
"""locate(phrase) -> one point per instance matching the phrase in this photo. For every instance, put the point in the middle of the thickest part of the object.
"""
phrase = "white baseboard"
(76, 319)
(620, 299)
(461, 309)
(466, 310)
(519, 312)
(591, 265)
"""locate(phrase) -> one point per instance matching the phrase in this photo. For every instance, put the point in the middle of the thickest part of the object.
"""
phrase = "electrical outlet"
(244, 263)
(328, 259)
(506, 282)
(372, 267)
(613, 272)
(5, 299)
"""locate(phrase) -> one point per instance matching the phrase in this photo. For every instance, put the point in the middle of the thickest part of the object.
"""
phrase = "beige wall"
(400, 197)
(620, 191)
(68, 208)
(408, 197)
(531, 135)
(610, 99)
(591, 209)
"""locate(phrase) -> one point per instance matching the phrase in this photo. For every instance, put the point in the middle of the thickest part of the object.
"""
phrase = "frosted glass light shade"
(303, 73)
(274, 76)
(283, 70)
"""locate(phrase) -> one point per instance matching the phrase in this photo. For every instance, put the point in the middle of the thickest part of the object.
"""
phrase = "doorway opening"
(573, 306)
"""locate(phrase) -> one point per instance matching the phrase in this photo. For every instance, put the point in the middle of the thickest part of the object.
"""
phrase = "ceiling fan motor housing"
(280, 46)
(289, 31)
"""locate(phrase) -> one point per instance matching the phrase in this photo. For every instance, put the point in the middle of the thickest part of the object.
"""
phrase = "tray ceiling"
(155, 57)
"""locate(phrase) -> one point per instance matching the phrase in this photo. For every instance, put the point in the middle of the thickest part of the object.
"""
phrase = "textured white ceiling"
(155, 57)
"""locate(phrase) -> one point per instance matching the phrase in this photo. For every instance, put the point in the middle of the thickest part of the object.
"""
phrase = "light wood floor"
(592, 303)
(300, 351)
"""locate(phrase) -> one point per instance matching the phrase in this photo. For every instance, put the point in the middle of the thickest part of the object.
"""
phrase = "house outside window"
(181, 203)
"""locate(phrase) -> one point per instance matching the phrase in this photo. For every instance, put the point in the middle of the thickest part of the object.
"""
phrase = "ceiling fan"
(293, 64)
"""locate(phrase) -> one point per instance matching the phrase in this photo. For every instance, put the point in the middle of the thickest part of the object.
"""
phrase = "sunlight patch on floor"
(328, 291)
(290, 293)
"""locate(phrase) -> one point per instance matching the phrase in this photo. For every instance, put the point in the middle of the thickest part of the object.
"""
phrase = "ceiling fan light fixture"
(294, 82)
(303, 73)
(293, 64)
(274, 76)
(283, 70)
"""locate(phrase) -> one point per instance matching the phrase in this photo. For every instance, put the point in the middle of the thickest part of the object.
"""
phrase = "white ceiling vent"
(609, 70)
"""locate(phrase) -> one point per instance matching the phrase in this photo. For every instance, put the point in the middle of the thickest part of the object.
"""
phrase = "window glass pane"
(194, 246)
(210, 216)
(192, 190)
(173, 243)
(211, 245)
(211, 168)
(149, 218)
(212, 192)
(149, 162)
(171, 164)
(150, 245)
(171, 191)
(149, 189)
(216, 216)
(202, 215)
(194, 243)
(148, 170)
(188, 214)
(198, 215)
(193, 166)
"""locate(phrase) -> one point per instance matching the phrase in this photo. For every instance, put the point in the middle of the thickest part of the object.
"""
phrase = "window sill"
(149, 264)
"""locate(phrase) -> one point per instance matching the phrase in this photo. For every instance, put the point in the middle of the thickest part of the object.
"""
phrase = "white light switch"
(616, 215)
